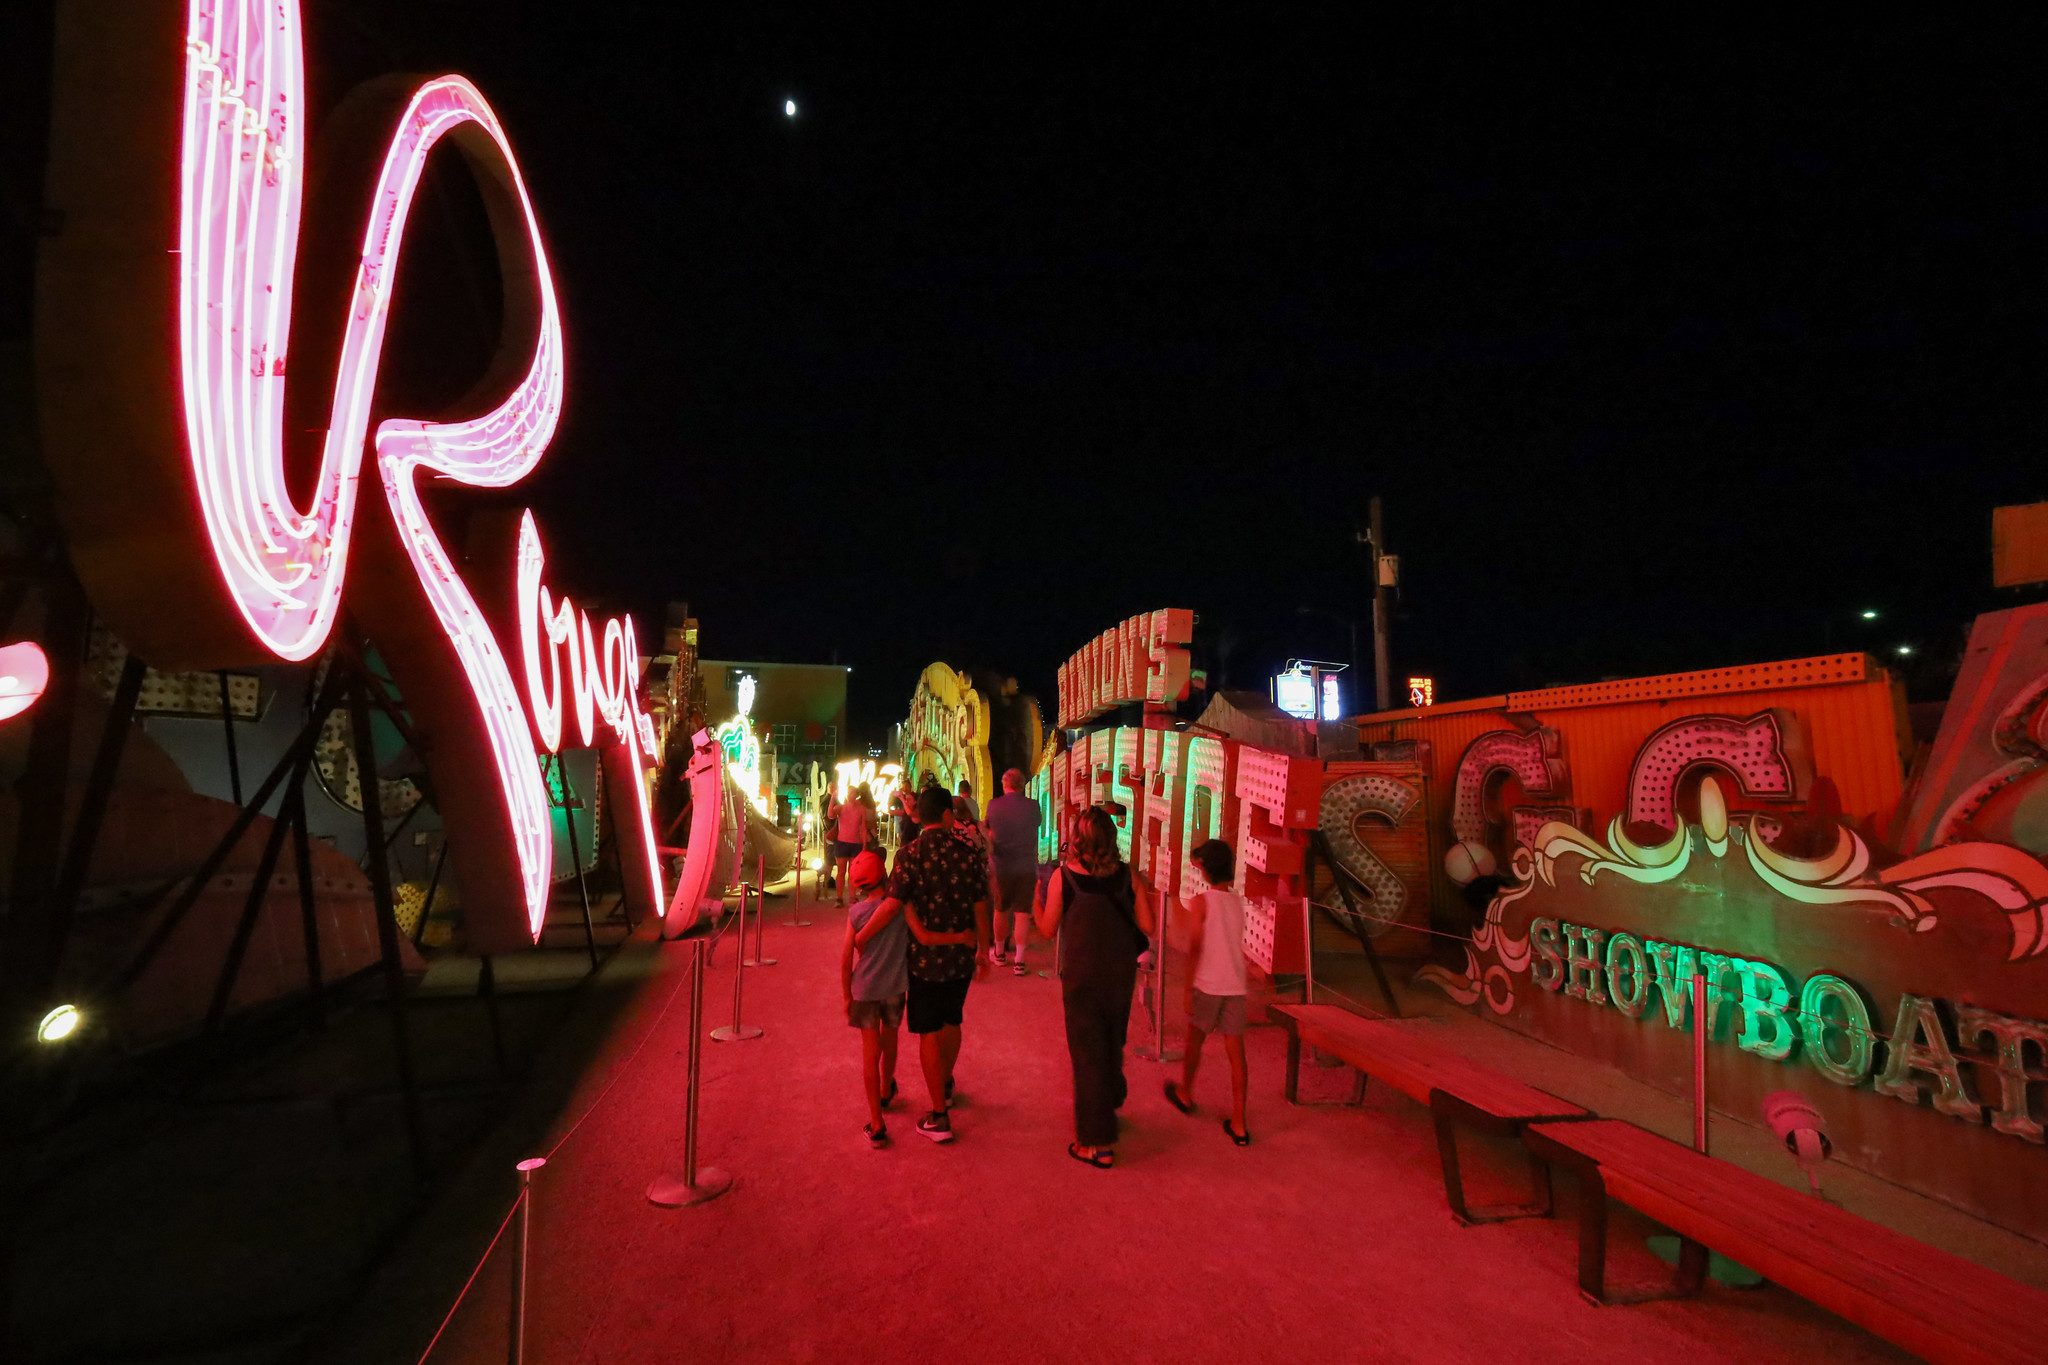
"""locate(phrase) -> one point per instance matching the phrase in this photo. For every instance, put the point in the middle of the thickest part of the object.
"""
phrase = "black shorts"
(935, 1004)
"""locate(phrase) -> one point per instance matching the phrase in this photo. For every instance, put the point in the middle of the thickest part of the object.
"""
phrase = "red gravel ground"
(1327, 1239)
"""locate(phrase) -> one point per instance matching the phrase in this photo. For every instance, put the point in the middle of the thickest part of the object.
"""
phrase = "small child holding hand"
(874, 975)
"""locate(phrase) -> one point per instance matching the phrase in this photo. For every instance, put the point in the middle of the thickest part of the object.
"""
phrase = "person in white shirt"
(1214, 920)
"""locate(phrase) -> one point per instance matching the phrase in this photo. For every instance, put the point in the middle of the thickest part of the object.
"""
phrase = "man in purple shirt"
(1013, 866)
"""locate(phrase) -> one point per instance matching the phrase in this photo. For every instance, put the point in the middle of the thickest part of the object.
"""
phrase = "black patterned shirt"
(942, 876)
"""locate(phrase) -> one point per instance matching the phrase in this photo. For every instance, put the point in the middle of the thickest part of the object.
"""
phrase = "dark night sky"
(1667, 348)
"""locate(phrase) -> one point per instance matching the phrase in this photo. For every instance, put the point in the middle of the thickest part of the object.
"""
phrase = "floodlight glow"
(1333, 702)
(1869, 614)
(59, 1024)
(1905, 651)
(789, 108)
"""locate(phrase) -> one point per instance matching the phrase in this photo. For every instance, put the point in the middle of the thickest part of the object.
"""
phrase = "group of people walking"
(963, 897)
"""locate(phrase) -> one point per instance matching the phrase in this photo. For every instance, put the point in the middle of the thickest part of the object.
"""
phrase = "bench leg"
(1447, 1157)
(1692, 1268)
(1593, 1238)
(1443, 1113)
(1692, 1256)
(1293, 1066)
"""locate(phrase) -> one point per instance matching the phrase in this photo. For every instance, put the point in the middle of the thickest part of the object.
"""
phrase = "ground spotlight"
(59, 1024)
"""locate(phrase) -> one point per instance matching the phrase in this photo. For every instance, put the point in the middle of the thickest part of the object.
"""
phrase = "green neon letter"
(1907, 1054)
(1548, 966)
(1582, 964)
(2012, 1036)
(1628, 975)
(1765, 997)
(1674, 964)
(1848, 1022)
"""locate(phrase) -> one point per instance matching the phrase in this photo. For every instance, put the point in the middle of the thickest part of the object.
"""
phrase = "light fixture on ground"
(59, 1024)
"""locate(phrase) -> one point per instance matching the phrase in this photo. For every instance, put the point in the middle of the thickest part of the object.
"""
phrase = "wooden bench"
(1925, 1300)
(1402, 1054)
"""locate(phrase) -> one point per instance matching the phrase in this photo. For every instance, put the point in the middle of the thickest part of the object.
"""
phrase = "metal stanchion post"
(522, 1227)
(693, 1186)
(760, 928)
(761, 910)
(796, 920)
(737, 1032)
(1702, 1024)
(1159, 1051)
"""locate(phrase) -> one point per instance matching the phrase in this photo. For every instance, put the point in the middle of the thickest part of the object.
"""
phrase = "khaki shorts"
(875, 1013)
(1222, 1014)
(1014, 893)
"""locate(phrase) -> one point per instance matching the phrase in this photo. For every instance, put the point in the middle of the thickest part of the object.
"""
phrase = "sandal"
(1241, 1139)
(1101, 1161)
(1173, 1097)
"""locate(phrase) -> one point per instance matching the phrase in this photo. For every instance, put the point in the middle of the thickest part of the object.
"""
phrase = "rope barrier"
(468, 1283)
(618, 1074)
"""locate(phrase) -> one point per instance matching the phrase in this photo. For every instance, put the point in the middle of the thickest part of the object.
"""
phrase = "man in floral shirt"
(942, 886)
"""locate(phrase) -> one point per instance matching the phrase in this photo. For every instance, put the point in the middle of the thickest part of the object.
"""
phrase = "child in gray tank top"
(874, 978)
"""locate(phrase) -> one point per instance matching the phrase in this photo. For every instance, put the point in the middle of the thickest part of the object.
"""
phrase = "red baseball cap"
(868, 869)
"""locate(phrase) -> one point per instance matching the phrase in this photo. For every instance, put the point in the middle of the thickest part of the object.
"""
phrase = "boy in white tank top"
(1216, 986)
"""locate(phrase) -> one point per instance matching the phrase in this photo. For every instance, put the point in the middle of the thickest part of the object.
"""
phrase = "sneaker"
(995, 955)
(877, 1134)
(936, 1126)
(1020, 969)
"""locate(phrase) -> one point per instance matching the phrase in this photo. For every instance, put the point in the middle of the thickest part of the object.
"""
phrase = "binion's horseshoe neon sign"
(280, 558)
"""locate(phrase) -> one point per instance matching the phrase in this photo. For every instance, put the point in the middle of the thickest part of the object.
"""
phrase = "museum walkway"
(1327, 1239)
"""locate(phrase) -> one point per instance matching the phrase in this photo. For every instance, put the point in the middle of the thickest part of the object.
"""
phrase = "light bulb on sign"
(24, 673)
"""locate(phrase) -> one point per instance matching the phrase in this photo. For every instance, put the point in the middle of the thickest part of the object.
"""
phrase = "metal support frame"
(379, 871)
(1317, 845)
(309, 911)
(290, 820)
(92, 807)
(419, 929)
(227, 727)
(197, 881)
(569, 809)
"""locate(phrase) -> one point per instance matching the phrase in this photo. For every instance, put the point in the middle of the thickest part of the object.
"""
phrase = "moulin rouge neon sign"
(241, 181)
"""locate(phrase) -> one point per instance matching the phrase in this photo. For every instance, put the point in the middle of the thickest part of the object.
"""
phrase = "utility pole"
(1383, 683)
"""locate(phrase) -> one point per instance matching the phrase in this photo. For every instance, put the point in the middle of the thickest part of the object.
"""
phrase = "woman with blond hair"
(1105, 908)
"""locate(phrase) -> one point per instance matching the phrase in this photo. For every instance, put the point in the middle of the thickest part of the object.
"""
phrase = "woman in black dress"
(1105, 908)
